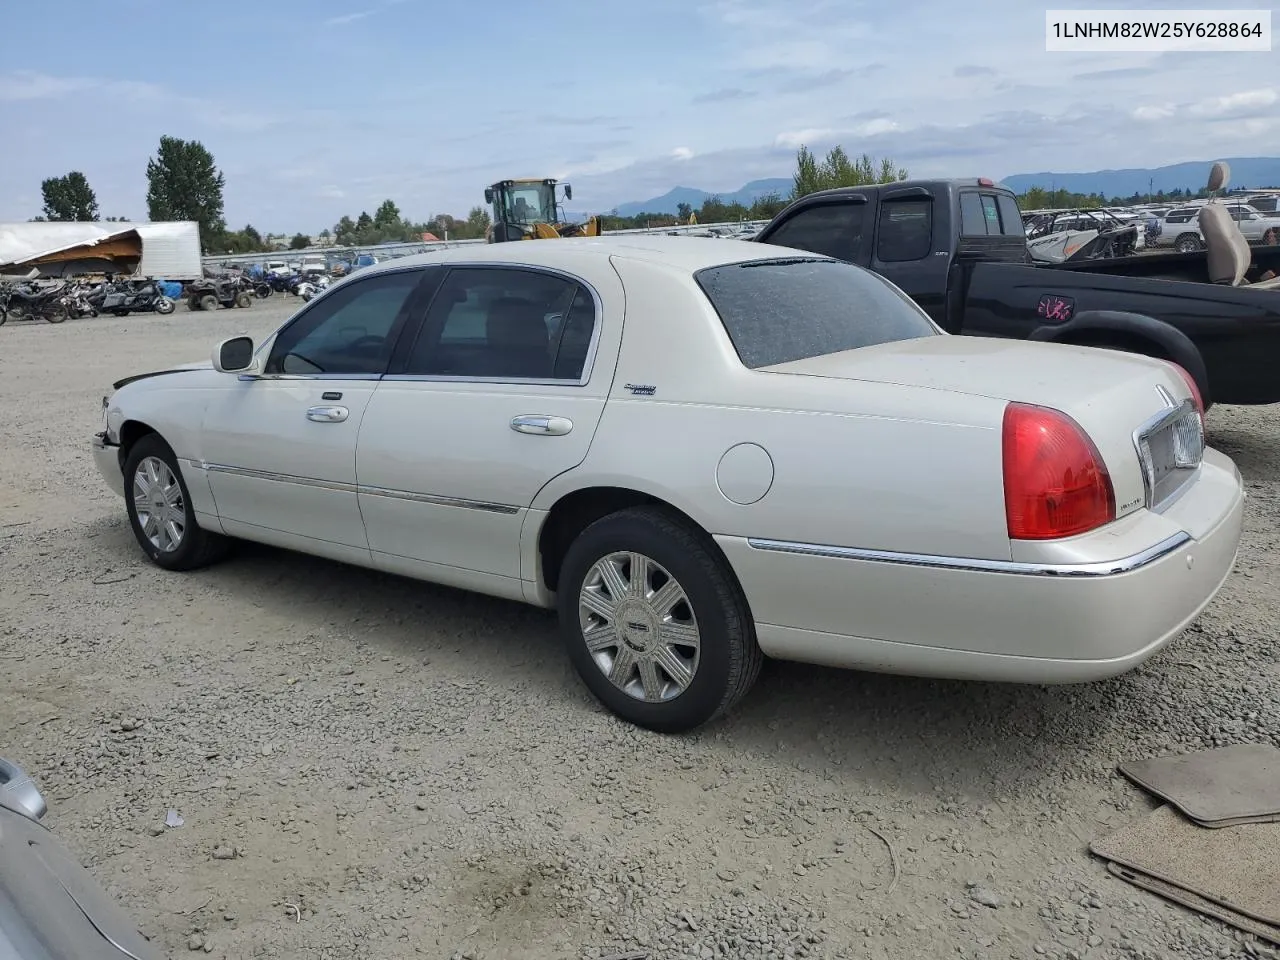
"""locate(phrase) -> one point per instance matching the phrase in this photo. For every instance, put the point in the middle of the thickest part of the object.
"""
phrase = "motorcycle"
(77, 302)
(310, 288)
(123, 297)
(26, 301)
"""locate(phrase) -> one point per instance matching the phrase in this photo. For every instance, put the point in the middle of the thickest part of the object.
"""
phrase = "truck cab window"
(905, 232)
(989, 215)
(831, 229)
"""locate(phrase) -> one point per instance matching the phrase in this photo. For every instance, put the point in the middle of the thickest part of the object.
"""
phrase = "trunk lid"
(1129, 404)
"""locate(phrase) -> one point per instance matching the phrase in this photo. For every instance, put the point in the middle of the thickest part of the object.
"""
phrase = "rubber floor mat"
(1186, 898)
(1216, 788)
(1237, 867)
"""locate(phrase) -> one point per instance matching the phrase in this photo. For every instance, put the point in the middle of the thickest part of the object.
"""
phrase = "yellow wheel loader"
(530, 210)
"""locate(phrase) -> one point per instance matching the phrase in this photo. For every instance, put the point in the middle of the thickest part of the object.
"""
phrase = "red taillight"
(1055, 483)
(986, 182)
(1193, 387)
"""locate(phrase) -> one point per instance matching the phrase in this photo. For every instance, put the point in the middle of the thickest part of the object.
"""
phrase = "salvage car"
(959, 249)
(699, 452)
(51, 908)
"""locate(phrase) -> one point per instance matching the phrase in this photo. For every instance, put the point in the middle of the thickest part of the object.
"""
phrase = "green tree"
(838, 170)
(478, 222)
(684, 211)
(183, 183)
(387, 216)
(344, 231)
(767, 207)
(69, 198)
(300, 241)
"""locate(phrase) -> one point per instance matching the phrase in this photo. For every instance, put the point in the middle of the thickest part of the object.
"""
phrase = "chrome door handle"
(542, 425)
(328, 414)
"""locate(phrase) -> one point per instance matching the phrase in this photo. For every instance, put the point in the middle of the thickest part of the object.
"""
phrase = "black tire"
(243, 299)
(57, 313)
(197, 547)
(729, 658)
(193, 303)
(4, 315)
(164, 306)
(1188, 243)
(262, 290)
(208, 302)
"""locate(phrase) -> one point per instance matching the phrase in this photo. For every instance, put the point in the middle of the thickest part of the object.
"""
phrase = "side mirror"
(568, 192)
(20, 791)
(234, 355)
(488, 194)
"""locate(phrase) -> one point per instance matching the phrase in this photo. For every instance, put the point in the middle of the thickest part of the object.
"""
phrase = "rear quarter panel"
(852, 463)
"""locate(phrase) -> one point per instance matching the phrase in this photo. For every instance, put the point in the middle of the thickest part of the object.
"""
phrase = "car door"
(280, 446)
(1251, 225)
(500, 391)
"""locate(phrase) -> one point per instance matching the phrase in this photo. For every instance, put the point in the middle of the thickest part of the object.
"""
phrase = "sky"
(318, 109)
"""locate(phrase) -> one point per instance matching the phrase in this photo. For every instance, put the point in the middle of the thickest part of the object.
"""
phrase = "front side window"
(506, 323)
(349, 331)
(776, 311)
(831, 229)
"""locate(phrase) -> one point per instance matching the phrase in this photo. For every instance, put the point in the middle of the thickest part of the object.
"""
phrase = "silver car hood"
(51, 907)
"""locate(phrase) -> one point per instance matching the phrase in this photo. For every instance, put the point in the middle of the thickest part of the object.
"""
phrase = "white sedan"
(699, 452)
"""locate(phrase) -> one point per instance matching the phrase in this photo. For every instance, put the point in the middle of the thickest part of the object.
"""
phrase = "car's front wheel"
(160, 511)
(655, 622)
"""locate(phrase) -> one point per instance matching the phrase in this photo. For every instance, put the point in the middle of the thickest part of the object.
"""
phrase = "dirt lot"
(371, 767)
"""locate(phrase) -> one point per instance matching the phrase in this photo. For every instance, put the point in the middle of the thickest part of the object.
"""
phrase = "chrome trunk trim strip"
(1106, 568)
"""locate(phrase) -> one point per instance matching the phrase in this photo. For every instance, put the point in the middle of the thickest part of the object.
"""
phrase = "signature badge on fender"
(641, 389)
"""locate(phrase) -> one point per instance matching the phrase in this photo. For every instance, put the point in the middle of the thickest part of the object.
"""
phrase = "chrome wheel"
(639, 627)
(159, 504)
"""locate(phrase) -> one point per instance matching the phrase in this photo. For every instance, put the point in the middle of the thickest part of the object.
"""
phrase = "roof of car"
(687, 253)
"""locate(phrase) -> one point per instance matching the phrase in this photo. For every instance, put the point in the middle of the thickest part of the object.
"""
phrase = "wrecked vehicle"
(959, 249)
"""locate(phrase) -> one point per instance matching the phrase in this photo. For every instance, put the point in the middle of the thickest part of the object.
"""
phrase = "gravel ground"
(372, 767)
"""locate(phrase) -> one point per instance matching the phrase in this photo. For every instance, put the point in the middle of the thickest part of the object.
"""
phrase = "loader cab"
(519, 205)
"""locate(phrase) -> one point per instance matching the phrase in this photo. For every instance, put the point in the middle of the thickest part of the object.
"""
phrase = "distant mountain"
(670, 201)
(1252, 172)
(1249, 172)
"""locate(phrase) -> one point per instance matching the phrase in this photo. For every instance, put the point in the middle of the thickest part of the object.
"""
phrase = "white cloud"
(879, 125)
(1162, 111)
(681, 153)
(1246, 103)
(793, 139)
(346, 18)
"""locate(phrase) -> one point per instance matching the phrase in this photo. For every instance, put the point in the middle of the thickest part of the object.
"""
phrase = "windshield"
(776, 311)
(531, 203)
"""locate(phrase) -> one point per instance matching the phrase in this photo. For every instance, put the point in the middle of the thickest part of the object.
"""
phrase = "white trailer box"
(170, 251)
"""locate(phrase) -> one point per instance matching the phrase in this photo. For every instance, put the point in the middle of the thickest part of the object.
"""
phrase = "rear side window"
(831, 229)
(989, 215)
(906, 230)
(776, 311)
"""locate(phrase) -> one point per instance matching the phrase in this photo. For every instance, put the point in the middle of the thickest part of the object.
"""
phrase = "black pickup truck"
(958, 248)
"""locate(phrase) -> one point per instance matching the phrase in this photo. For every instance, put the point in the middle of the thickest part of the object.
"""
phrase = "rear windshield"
(776, 311)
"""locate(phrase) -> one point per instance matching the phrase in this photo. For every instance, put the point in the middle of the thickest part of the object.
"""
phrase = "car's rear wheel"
(655, 622)
(160, 511)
